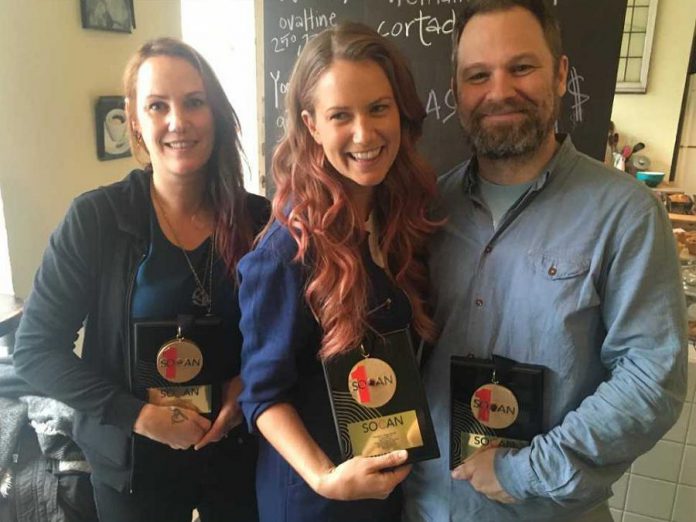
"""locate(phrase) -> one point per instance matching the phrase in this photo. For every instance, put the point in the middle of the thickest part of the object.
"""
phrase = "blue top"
(280, 365)
(164, 286)
(581, 277)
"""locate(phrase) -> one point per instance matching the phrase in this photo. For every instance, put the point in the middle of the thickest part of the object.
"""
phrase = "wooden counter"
(683, 218)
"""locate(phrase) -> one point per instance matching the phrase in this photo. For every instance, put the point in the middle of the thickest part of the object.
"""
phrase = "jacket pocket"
(106, 443)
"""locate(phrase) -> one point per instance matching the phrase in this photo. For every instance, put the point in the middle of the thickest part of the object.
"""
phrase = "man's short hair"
(539, 8)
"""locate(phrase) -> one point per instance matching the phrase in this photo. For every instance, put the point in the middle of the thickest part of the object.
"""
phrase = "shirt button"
(479, 303)
(552, 271)
(488, 249)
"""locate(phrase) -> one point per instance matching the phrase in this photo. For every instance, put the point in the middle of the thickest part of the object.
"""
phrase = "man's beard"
(509, 140)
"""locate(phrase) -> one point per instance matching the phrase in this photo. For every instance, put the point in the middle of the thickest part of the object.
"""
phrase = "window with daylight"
(5, 271)
(634, 59)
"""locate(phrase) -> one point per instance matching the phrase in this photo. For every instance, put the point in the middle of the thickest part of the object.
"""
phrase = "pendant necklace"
(200, 297)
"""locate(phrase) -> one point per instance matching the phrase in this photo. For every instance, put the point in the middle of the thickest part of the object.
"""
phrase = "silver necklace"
(200, 296)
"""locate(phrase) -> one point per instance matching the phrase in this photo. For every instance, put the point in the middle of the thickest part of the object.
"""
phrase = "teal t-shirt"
(499, 198)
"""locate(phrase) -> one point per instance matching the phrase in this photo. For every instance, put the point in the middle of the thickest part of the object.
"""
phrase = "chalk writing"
(310, 20)
(579, 98)
(279, 88)
(444, 110)
(280, 122)
(424, 3)
(422, 25)
(298, 29)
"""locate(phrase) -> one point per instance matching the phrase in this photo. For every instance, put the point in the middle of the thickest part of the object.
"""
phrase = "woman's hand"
(176, 427)
(357, 478)
(230, 414)
(364, 477)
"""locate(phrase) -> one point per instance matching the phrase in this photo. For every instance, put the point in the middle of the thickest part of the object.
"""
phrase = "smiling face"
(173, 116)
(356, 121)
(508, 90)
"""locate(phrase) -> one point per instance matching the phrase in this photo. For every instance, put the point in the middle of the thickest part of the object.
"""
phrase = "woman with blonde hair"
(342, 257)
(157, 248)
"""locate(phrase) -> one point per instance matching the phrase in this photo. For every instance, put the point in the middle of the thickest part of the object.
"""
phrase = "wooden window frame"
(641, 86)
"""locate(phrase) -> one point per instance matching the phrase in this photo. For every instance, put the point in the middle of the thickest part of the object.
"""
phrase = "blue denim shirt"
(582, 277)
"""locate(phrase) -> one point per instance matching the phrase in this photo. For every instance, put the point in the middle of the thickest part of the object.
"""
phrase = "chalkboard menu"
(422, 29)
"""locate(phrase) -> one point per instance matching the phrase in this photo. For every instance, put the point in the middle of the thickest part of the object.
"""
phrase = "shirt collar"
(558, 163)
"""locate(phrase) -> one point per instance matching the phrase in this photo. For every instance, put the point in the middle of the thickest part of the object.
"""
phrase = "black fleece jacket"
(87, 276)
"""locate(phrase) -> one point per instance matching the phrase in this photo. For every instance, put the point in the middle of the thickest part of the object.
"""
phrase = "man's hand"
(230, 413)
(479, 471)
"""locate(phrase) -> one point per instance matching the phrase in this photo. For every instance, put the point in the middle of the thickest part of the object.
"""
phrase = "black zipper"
(129, 366)
(385, 304)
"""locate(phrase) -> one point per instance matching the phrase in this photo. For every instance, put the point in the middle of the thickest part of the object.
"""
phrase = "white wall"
(653, 117)
(223, 31)
(53, 72)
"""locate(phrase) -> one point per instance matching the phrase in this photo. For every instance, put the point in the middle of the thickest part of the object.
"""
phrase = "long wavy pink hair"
(322, 219)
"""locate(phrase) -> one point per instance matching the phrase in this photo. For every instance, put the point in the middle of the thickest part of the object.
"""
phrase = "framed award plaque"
(378, 400)
(180, 363)
(494, 401)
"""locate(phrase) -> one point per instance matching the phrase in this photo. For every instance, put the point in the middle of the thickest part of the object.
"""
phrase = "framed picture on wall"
(107, 15)
(112, 128)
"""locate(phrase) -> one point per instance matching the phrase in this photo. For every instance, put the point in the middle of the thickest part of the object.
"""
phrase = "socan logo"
(494, 406)
(179, 361)
(372, 382)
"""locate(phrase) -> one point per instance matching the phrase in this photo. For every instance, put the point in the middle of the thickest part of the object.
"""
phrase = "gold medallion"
(494, 406)
(179, 360)
(372, 382)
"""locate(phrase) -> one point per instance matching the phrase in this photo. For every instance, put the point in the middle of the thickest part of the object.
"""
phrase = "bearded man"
(553, 259)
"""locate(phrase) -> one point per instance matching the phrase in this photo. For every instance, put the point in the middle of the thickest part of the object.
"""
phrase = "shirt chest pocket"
(561, 280)
(555, 267)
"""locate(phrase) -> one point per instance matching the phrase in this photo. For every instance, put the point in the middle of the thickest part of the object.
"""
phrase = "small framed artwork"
(107, 15)
(112, 128)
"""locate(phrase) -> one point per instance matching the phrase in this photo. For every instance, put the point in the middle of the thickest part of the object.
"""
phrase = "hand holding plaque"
(176, 427)
(230, 414)
(479, 471)
(365, 478)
